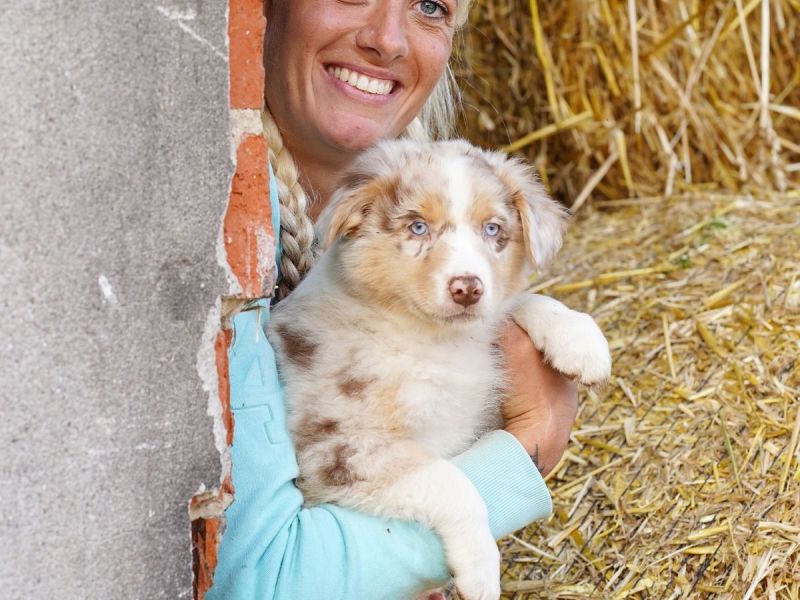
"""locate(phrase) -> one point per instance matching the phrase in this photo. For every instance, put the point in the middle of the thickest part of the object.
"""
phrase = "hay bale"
(683, 476)
(698, 95)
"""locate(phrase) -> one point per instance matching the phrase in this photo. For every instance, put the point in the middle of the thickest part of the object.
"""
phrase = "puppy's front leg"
(404, 481)
(571, 341)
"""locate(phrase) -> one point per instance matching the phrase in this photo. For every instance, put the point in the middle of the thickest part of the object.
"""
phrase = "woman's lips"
(360, 81)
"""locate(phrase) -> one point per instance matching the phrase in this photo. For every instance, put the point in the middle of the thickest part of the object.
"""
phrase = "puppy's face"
(443, 231)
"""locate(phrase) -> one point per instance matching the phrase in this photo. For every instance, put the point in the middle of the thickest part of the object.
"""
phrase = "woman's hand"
(541, 403)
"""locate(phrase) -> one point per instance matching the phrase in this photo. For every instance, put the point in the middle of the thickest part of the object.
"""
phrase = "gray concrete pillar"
(114, 175)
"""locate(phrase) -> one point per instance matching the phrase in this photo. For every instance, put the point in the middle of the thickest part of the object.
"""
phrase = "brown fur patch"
(482, 209)
(365, 195)
(384, 400)
(311, 431)
(432, 208)
(502, 240)
(409, 200)
(299, 348)
(339, 471)
(352, 386)
(485, 209)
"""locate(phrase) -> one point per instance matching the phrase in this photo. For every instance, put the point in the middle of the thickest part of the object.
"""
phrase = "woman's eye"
(433, 9)
(491, 229)
(419, 228)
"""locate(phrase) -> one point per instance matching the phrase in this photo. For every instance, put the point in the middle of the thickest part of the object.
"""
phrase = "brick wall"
(248, 242)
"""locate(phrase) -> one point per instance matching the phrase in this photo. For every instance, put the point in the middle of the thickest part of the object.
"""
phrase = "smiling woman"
(342, 75)
(326, 62)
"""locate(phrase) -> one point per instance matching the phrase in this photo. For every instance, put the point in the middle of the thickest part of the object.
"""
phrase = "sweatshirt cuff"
(509, 483)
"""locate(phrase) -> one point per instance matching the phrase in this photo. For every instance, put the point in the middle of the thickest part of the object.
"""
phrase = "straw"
(705, 95)
(683, 476)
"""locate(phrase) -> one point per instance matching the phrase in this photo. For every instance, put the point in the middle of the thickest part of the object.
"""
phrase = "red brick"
(221, 346)
(246, 25)
(205, 542)
(247, 225)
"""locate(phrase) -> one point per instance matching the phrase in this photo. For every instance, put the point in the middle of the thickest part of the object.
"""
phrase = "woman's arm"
(274, 548)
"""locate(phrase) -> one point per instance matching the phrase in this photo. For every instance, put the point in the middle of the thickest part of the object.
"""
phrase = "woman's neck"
(320, 176)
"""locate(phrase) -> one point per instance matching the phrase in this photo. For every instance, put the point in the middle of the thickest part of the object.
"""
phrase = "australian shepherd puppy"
(386, 348)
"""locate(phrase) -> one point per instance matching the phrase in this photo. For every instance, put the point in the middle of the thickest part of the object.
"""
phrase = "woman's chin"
(354, 133)
(354, 143)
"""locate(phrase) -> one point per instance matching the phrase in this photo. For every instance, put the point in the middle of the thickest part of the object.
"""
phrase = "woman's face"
(343, 74)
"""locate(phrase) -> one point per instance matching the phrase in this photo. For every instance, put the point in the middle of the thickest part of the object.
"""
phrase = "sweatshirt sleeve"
(274, 548)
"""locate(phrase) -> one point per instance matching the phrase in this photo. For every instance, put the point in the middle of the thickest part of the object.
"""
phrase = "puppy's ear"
(543, 219)
(350, 205)
(345, 211)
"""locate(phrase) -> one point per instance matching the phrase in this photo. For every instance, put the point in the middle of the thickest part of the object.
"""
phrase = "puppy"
(386, 348)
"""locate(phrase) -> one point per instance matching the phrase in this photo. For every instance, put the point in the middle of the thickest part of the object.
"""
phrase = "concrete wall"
(114, 175)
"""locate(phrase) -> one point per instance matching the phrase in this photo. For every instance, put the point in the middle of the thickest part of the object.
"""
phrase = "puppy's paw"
(571, 341)
(477, 571)
(474, 586)
(582, 352)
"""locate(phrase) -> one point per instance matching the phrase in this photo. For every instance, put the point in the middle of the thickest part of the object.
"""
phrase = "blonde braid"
(297, 230)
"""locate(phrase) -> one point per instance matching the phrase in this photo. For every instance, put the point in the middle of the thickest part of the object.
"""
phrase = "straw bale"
(683, 475)
(696, 95)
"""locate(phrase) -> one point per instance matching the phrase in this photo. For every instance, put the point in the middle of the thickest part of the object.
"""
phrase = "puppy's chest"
(444, 392)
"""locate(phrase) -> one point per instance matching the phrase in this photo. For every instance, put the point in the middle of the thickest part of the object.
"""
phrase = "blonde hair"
(462, 12)
(298, 251)
(435, 121)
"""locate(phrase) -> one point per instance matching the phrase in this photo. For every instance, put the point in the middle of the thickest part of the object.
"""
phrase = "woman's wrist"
(538, 444)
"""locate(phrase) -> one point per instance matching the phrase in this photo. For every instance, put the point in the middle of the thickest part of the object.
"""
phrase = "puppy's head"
(440, 230)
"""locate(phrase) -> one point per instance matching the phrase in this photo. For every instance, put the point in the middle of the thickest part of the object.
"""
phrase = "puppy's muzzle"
(466, 290)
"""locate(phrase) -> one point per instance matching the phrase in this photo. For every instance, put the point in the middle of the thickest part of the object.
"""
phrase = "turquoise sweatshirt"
(273, 548)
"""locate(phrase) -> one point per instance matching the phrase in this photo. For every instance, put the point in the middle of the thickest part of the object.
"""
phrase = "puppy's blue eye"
(491, 229)
(419, 228)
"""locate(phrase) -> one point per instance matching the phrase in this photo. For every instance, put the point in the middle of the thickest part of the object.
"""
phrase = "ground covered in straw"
(683, 478)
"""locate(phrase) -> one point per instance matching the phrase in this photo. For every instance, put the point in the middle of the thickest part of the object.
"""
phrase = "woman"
(342, 74)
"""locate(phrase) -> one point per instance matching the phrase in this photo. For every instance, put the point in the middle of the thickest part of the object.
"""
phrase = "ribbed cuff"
(509, 483)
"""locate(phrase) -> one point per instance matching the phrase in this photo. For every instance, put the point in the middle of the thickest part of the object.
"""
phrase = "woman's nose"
(384, 32)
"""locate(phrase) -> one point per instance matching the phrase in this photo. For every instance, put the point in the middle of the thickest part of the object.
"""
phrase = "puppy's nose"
(466, 290)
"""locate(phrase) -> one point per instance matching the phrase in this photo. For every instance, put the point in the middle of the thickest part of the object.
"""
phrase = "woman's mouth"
(371, 85)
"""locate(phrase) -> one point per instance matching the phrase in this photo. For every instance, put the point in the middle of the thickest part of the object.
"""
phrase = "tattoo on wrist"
(535, 459)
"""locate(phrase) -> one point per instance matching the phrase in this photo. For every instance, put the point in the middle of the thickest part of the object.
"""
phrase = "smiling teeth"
(360, 81)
